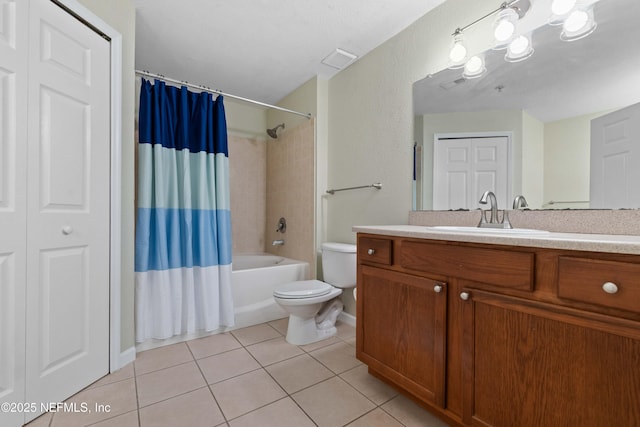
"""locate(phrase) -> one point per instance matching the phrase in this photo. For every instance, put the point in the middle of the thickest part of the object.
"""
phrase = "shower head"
(273, 133)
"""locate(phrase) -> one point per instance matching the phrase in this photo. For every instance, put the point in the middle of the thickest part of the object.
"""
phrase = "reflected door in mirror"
(465, 167)
(615, 156)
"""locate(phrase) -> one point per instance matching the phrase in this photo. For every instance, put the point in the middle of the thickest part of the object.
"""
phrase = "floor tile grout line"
(135, 385)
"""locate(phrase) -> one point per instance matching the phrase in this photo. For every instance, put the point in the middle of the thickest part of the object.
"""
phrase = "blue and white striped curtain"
(183, 228)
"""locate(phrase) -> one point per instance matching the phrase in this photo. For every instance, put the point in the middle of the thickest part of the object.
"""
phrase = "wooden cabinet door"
(533, 364)
(401, 330)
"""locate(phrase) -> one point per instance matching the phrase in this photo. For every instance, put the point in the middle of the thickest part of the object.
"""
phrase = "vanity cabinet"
(494, 335)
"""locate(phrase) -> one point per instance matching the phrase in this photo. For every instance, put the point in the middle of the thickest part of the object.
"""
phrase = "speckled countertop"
(622, 244)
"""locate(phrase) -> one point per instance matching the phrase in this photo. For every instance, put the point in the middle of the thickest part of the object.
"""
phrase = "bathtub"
(253, 279)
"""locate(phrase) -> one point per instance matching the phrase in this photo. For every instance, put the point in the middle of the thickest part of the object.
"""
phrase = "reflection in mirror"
(548, 106)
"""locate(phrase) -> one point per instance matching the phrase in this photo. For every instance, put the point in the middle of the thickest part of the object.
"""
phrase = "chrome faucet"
(494, 205)
(277, 243)
(520, 202)
(493, 222)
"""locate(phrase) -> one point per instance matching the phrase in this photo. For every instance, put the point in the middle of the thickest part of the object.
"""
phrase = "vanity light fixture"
(504, 27)
(519, 49)
(474, 67)
(579, 24)
(576, 19)
(458, 52)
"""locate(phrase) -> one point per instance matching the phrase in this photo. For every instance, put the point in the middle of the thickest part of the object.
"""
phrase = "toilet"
(313, 305)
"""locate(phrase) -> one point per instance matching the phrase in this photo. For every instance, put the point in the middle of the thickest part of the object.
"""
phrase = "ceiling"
(262, 49)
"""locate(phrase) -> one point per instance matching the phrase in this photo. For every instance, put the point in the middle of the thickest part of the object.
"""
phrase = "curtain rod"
(218, 92)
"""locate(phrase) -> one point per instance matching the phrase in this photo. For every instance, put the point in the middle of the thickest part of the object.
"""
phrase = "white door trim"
(117, 359)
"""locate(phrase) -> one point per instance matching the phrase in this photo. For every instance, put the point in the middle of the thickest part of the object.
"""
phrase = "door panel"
(68, 206)
(63, 143)
(615, 156)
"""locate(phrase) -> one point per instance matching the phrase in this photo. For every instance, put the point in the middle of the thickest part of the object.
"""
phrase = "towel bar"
(375, 185)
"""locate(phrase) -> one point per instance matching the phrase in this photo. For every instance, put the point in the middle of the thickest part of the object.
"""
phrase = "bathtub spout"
(277, 243)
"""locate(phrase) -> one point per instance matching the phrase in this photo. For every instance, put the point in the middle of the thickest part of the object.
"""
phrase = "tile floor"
(247, 377)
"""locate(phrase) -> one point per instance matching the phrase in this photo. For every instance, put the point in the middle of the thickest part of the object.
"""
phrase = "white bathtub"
(254, 278)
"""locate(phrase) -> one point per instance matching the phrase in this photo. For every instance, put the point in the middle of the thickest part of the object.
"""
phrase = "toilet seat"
(302, 289)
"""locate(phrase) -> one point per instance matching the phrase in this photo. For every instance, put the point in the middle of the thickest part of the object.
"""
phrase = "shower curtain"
(183, 226)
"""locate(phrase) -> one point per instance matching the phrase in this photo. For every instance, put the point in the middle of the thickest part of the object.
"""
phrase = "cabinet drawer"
(500, 267)
(583, 279)
(375, 250)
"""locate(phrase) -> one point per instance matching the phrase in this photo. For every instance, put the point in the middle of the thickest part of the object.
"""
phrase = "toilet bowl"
(313, 305)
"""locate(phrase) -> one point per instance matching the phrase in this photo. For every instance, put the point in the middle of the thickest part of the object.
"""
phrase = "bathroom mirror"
(553, 96)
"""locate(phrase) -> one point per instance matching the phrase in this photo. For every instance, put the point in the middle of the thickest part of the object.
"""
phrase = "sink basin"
(477, 230)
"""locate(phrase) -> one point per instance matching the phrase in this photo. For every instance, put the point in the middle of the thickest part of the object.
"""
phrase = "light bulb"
(505, 24)
(504, 30)
(458, 52)
(519, 45)
(473, 65)
(576, 21)
(562, 7)
(579, 24)
(474, 68)
(519, 49)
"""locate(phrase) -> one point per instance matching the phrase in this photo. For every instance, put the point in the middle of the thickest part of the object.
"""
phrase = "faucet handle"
(483, 218)
(505, 220)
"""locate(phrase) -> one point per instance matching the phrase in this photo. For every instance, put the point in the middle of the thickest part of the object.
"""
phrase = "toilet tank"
(339, 264)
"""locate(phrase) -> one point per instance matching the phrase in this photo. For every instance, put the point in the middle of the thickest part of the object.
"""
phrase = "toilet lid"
(303, 289)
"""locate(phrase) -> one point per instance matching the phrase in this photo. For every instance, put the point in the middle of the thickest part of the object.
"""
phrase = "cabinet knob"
(67, 229)
(610, 288)
(437, 288)
(464, 296)
(371, 251)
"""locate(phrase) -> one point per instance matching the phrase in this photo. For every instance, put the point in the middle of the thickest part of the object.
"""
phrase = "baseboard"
(347, 318)
(126, 357)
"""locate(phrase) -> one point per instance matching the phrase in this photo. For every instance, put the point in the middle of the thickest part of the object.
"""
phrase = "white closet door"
(615, 156)
(464, 168)
(13, 203)
(67, 327)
